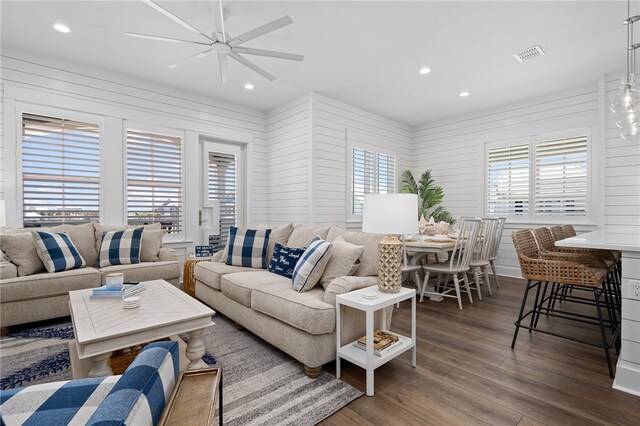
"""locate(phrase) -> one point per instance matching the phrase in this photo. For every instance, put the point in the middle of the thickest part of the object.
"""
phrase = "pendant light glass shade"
(628, 98)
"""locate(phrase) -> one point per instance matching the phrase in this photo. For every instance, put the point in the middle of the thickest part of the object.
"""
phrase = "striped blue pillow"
(120, 247)
(310, 267)
(57, 251)
(248, 247)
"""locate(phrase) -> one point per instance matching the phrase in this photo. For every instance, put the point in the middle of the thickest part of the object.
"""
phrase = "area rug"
(262, 385)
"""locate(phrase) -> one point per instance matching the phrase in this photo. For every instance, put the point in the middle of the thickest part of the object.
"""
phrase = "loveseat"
(302, 324)
(137, 397)
(29, 293)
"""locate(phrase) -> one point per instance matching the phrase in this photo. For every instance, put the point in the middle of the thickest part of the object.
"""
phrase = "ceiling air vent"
(528, 54)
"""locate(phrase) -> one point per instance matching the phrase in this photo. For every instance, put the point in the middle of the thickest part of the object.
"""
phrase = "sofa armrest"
(166, 254)
(343, 285)
(141, 393)
(217, 256)
(8, 270)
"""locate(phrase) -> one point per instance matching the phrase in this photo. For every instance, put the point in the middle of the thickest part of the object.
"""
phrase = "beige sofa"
(301, 324)
(29, 293)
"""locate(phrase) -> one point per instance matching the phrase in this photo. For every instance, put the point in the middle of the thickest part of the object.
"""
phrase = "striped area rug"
(262, 385)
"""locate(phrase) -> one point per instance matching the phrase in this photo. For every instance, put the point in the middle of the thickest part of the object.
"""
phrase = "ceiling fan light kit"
(217, 43)
(627, 101)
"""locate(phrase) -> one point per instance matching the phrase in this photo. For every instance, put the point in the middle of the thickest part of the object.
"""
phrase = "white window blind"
(222, 179)
(371, 173)
(60, 171)
(508, 180)
(561, 177)
(154, 180)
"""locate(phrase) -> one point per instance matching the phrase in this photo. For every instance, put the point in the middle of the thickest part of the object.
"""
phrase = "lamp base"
(390, 261)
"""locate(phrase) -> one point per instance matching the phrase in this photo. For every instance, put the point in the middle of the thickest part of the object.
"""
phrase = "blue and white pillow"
(57, 252)
(309, 269)
(120, 247)
(248, 247)
(284, 259)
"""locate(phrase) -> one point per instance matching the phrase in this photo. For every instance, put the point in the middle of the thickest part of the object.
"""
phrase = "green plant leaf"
(409, 185)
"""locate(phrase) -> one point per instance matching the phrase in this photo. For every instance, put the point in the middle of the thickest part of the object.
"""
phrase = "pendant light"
(627, 101)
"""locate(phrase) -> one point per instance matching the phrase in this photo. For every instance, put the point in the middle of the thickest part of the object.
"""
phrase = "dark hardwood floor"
(467, 372)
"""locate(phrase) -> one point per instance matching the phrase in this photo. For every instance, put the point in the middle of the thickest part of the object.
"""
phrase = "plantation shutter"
(386, 174)
(60, 171)
(561, 177)
(222, 177)
(154, 180)
(363, 177)
(508, 180)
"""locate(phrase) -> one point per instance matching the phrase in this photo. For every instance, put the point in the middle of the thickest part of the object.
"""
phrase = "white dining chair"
(484, 248)
(494, 255)
(457, 266)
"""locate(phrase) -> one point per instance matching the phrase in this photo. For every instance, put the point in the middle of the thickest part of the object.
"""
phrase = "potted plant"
(430, 196)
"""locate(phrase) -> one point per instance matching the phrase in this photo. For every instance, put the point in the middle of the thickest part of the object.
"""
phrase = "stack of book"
(116, 292)
(383, 342)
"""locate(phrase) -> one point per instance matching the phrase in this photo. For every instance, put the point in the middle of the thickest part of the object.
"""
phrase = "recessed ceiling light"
(62, 28)
(425, 70)
(464, 94)
(248, 86)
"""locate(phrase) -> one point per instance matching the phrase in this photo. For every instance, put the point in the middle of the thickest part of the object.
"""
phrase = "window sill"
(177, 242)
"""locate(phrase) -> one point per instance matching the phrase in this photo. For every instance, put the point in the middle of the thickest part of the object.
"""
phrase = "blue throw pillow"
(248, 247)
(120, 247)
(57, 251)
(285, 259)
(309, 269)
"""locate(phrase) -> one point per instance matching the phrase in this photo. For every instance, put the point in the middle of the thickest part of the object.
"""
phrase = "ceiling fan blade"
(251, 65)
(175, 19)
(260, 31)
(196, 56)
(224, 74)
(268, 53)
(218, 20)
(169, 39)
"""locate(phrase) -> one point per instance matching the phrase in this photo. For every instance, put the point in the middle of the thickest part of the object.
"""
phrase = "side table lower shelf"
(358, 356)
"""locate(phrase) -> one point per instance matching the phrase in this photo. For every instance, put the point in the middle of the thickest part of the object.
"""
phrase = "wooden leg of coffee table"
(195, 350)
(100, 365)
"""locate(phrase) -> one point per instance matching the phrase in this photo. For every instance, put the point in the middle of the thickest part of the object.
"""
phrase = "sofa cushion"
(120, 247)
(344, 256)
(82, 236)
(334, 232)
(369, 258)
(58, 403)
(248, 247)
(311, 265)
(301, 236)
(57, 251)
(145, 271)
(48, 285)
(285, 259)
(306, 311)
(20, 248)
(142, 392)
(151, 245)
(210, 273)
(8, 270)
(238, 286)
(280, 235)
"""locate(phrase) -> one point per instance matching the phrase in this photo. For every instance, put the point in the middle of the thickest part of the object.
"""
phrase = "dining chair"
(496, 246)
(410, 270)
(558, 233)
(484, 248)
(457, 265)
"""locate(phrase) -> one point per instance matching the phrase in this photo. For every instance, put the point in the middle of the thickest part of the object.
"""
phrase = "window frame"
(67, 115)
(532, 141)
(350, 217)
(167, 131)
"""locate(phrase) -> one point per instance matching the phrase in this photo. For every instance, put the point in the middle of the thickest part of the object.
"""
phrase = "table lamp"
(390, 214)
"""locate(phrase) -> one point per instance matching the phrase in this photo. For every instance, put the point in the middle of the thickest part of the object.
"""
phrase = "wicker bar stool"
(540, 270)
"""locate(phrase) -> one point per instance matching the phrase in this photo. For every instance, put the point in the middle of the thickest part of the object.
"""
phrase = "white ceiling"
(364, 53)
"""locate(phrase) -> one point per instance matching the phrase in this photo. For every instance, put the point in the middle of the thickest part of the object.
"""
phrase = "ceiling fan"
(218, 43)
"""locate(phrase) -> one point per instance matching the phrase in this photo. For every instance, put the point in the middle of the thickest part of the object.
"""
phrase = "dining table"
(628, 243)
(415, 250)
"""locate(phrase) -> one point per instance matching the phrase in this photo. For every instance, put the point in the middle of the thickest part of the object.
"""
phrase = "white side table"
(367, 359)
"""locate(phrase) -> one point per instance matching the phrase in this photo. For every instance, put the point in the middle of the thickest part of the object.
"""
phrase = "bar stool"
(538, 269)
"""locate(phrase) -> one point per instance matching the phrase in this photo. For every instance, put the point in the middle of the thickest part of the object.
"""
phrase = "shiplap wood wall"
(334, 123)
(454, 151)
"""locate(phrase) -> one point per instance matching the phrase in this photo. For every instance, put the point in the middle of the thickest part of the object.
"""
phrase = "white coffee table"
(102, 326)
(366, 359)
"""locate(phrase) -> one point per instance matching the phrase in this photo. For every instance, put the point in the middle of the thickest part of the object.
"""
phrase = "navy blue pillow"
(284, 259)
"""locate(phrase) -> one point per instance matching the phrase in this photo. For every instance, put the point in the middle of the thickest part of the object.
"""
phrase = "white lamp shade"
(390, 214)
